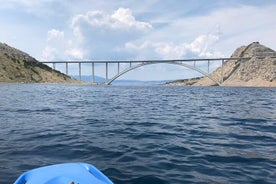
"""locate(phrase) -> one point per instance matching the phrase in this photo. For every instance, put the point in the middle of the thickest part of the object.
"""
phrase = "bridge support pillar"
(66, 68)
(106, 72)
(222, 70)
(93, 73)
(208, 66)
(79, 71)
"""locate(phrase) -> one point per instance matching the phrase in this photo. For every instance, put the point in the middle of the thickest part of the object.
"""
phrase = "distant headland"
(18, 67)
(259, 71)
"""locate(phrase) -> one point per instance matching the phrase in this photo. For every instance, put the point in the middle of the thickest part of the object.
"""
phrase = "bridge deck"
(142, 61)
(133, 64)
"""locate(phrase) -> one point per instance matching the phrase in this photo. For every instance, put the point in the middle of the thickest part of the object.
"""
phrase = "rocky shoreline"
(18, 67)
(258, 71)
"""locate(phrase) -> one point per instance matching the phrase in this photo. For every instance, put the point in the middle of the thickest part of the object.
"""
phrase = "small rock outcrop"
(258, 70)
(17, 66)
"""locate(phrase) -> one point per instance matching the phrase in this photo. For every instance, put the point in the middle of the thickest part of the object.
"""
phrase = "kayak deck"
(68, 173)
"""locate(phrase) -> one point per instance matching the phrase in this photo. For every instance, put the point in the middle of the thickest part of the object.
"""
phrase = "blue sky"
(129, 29)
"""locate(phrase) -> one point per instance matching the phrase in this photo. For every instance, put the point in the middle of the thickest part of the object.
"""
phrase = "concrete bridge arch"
(151, 63)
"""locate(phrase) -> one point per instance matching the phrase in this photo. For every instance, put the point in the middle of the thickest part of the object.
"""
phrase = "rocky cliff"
(259, 70)
(17, 66)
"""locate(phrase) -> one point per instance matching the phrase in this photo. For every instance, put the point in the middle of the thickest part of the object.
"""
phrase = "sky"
(136, 30)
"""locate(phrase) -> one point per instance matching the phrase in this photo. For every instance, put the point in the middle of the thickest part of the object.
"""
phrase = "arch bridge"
(132, 65)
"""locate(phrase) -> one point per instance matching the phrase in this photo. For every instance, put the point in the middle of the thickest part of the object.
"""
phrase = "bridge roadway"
(139, 63)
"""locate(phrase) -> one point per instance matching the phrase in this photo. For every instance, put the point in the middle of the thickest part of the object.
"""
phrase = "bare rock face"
(17, 66)
(258, 70)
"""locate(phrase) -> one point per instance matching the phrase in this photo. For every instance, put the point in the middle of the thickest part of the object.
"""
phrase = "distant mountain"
(88, 78)
(259, 70)
(17, 66)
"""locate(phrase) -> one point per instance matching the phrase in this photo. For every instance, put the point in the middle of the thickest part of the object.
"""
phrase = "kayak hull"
(68, 173)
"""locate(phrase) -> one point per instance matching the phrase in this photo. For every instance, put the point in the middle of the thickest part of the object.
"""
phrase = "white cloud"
(238, 26)
(102, 34)
(58, 47)
(120, 19)
(49, 53)
(55, 34)
(55, 45)
(123, 18)
(200, 47)
(75, 53)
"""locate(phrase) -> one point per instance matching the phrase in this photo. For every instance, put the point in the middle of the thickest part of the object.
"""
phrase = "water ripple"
(141, 134)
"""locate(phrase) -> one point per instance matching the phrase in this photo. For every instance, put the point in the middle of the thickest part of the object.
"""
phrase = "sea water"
(141, 134)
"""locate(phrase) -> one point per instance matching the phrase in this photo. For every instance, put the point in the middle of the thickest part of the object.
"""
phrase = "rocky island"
(258, 71)
(17, 66)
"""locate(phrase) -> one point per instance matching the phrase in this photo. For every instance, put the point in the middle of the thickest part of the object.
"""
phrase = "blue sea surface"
(141, 134)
